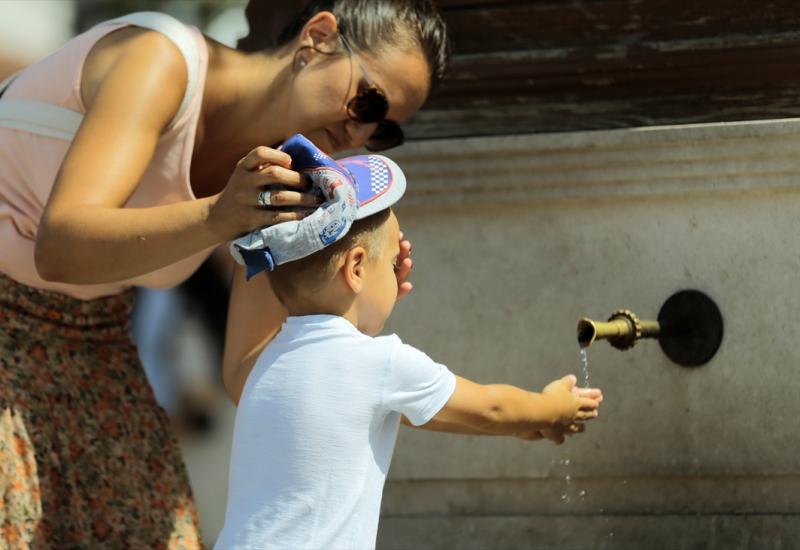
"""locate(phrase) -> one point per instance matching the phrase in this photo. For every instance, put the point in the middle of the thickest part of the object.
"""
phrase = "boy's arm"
(438, 426)
(254, 318)
(499, 409)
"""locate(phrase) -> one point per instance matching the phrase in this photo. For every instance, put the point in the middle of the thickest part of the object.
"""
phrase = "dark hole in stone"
(691, 328)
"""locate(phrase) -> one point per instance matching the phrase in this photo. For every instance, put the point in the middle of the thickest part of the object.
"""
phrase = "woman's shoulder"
(150, 49)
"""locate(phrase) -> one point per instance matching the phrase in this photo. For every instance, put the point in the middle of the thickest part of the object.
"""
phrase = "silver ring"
(264, 198)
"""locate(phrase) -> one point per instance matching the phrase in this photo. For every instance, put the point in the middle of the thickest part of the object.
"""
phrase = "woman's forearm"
(96, 244)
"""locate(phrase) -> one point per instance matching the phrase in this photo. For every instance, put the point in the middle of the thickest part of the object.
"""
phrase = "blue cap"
(353, 188)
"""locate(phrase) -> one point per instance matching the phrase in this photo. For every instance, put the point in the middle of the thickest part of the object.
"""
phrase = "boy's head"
(353, 277)
(375, 184)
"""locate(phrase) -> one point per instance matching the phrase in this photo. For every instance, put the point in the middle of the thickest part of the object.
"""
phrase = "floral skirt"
(87, 457)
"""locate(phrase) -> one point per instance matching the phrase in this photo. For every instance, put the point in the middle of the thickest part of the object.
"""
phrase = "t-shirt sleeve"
(415, 385)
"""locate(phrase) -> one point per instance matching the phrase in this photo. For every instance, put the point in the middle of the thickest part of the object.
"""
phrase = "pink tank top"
(29, 163)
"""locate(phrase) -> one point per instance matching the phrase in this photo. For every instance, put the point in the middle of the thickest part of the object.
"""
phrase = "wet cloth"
(353, 188)
(87, 458)
(315, 431)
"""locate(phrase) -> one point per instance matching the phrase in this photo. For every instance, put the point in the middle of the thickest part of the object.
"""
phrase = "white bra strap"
(180, 35)
(40, 118)
(50, 120)
(37, 117)
(7, 82)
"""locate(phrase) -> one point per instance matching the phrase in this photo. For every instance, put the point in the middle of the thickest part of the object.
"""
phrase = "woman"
(166, 164)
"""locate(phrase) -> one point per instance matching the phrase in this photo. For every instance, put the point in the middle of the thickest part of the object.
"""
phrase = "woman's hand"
(404, 266)
(236, 210)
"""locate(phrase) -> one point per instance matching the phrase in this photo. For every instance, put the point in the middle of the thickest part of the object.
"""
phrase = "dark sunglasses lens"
(369, 106)
(388, 134)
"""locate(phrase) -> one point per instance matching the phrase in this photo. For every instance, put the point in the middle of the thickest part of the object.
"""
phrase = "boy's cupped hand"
(579, 405)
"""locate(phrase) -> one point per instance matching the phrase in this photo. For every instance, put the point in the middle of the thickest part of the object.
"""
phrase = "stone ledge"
(634, 532)
(659, 495)
(656, 161)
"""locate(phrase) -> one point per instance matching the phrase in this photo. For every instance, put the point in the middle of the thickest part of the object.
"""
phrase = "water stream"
(585, 365)
(565, 496)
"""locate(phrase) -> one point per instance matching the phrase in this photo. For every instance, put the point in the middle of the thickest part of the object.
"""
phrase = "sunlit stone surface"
(517, 237)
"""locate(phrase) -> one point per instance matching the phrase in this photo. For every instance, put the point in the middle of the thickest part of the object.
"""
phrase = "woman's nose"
(359, 132)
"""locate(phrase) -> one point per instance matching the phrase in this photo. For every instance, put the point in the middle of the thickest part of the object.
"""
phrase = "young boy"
(320, 411)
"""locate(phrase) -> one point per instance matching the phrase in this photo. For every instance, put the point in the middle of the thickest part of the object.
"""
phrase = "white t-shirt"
(315, 431)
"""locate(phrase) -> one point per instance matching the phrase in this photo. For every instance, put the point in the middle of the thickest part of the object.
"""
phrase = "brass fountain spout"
(689, 328)
(622, 330)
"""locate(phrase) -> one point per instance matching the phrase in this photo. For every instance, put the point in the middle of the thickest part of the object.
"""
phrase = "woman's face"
(325, 83)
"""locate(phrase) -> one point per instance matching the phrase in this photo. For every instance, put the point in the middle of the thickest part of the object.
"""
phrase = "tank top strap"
(179, 34)
(7, 82)
(50, 120)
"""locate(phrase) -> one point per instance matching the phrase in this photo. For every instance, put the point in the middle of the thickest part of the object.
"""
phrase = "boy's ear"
(321, 32)
(353, 269)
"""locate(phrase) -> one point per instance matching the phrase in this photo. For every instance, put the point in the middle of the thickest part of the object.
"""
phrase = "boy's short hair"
(301, 277)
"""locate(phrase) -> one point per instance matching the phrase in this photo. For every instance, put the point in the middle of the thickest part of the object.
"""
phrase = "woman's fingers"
(240, 207)
(273, 174)
(261, 156)
(284, 198)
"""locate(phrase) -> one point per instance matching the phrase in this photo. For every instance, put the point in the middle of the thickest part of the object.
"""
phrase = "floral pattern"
(87, 457)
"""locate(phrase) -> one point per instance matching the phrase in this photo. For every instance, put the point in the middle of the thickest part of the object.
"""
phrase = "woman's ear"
(321, 32)
(354, 267)
(301, 58)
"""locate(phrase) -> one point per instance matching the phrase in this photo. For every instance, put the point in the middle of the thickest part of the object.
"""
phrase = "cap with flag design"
(353, 188)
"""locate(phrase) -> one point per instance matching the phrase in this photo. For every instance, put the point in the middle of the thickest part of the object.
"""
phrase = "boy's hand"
(578, 405)
(584, 402)
(556, 434)
(535, 435)
(501, 409)
(404, 266)
(559, 434)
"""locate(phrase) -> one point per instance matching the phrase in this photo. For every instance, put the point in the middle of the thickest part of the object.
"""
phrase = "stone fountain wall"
(515, 239)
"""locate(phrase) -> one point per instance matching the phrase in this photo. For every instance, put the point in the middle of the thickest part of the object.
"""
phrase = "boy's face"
(380, 283)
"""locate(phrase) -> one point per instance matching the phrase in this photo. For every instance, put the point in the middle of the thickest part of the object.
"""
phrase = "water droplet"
(566, 461)
(582, 493)
(568, 478)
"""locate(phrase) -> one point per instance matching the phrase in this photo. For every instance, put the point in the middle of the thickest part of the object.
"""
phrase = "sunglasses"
(370, 106)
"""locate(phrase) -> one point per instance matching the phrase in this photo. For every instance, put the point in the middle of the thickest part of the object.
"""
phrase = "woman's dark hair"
(368, 25)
